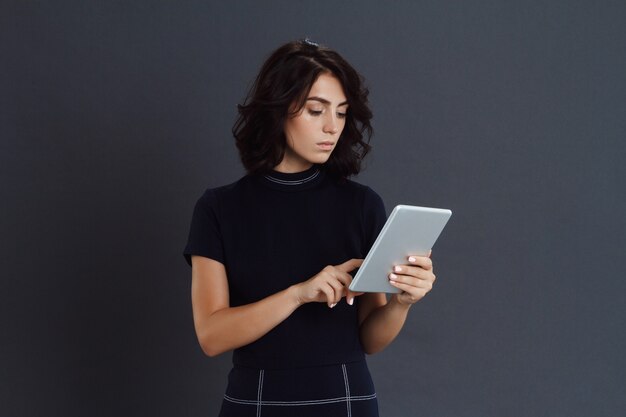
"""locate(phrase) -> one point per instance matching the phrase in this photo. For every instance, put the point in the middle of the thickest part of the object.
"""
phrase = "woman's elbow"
(370, 350)
(210, 348)
(370, 346)
(211, 352)
(209, 343)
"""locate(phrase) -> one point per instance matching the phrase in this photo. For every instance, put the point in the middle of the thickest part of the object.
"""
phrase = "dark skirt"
(329, 391)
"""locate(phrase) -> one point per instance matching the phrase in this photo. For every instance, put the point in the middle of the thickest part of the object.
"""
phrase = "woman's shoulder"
(214, 193)
(368, 199)
(364, 190)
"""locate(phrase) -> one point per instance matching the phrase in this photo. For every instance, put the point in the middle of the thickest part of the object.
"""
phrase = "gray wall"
(115, 116)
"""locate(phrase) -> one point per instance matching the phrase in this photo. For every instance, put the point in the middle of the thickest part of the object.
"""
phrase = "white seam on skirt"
(345, 381)
(259, 394)
(299, 403)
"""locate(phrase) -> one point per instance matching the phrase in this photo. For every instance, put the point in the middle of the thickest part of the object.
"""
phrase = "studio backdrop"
(116, 116)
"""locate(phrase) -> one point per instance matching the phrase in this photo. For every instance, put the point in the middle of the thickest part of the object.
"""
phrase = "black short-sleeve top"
(272, 231)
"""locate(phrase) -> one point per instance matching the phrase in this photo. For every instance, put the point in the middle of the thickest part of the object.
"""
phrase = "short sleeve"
(205, 238)
(374, 218)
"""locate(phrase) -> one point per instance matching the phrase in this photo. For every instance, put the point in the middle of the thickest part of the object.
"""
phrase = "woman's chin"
(320, 159)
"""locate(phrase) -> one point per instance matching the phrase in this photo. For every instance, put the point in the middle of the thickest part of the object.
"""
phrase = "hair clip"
(310, 42)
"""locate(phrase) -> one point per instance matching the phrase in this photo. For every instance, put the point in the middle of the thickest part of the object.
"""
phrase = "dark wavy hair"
(283, 84)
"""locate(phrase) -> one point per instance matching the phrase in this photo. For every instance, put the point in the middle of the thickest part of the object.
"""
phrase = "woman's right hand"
(329, 285)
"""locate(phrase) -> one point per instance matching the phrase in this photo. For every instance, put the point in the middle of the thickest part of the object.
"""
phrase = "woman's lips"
(326, 146)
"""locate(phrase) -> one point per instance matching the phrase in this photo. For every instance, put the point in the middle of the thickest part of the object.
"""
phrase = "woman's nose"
(331, 125)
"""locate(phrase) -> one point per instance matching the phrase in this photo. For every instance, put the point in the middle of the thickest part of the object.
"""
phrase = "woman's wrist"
(395, 303)
(293, 294)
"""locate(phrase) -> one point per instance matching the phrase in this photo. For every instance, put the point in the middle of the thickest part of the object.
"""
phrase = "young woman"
(271, 253)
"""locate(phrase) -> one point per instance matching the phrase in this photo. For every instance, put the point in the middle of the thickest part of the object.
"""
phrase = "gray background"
(115, 116)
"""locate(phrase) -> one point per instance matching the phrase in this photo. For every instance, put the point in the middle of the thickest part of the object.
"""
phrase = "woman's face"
(312, 133)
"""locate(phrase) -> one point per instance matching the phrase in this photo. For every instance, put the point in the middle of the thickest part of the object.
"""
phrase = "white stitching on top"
(293, 182)
(345, 381)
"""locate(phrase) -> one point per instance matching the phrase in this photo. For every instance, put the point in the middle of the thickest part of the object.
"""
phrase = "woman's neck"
(287, 167)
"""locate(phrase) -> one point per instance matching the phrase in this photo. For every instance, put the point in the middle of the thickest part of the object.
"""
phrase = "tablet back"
(409, 230)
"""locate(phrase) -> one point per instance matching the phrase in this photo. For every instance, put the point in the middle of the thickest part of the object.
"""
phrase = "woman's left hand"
(414, 279)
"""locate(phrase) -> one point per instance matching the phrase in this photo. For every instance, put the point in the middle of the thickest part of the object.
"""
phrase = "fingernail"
(412, 259)
(350, 300)
(332, 305)
(393, 276)
(397, 268)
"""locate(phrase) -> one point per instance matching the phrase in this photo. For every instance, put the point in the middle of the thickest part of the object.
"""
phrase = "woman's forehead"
(328, 90)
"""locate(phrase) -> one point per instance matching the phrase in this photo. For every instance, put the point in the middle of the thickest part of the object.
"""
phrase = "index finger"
(350, 265)
(346, 280)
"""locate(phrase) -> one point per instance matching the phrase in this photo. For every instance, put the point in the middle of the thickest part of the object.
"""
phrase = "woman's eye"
(315, 112)
(341, 115)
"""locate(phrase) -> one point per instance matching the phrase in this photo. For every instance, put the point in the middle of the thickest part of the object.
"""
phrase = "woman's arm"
(221, 328)
(381, 321)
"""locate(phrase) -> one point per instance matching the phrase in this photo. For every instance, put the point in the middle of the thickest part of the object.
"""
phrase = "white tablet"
(409, 230)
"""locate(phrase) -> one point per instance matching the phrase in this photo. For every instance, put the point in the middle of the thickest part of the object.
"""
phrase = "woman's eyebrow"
(324, 101)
